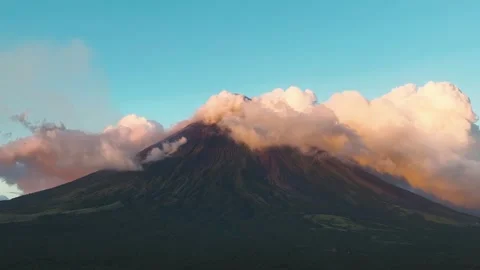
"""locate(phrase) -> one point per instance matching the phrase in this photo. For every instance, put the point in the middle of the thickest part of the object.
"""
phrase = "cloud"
(158, 153)
(54, 81)
(8, 191)
(425, 134)
(58, 82)
(53, 154)
(291, 117)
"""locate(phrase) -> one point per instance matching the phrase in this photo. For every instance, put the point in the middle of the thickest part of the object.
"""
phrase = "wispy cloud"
(54, 81)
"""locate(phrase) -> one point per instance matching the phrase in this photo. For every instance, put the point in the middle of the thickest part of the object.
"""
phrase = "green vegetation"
(438, 219)
(426, 216)
(129, 238)
(7, 218)
(335, 222)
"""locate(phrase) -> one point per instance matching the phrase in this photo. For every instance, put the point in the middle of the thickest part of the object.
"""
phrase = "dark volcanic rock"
(217, 204)
(213, 173)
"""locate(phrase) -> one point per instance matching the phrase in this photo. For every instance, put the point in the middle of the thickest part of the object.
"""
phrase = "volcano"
(217, 204)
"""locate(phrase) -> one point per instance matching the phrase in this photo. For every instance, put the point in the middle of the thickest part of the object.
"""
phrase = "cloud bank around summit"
(425, 134)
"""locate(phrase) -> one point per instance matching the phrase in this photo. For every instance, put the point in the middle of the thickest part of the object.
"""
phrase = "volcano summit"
(217, 203)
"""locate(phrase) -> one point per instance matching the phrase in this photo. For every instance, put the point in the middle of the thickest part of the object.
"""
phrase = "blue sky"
(163, 59)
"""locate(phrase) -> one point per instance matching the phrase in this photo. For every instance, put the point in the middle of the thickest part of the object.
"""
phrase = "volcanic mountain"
(217, 203)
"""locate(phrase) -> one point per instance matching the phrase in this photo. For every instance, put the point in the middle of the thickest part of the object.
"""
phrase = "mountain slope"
(214, 202)
(213, 172)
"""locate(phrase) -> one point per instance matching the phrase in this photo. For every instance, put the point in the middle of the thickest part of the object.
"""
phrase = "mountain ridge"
(319, 179)
(216, 204)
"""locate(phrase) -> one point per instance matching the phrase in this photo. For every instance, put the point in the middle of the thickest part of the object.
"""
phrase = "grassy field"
(125, 238)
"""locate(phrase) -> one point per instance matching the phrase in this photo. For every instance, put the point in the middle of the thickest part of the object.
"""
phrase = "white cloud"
(9, 191)
(167, 148)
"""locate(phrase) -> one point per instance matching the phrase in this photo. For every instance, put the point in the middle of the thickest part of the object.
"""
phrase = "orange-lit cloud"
(425, 134)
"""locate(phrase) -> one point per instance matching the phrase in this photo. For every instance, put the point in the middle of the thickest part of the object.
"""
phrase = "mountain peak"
(245, 98)
(212, 170)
